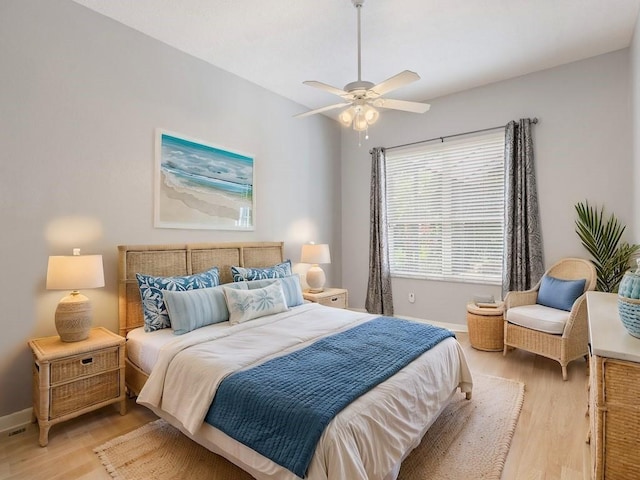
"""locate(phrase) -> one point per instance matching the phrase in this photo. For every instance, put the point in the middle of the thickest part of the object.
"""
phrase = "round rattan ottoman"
(486, 327)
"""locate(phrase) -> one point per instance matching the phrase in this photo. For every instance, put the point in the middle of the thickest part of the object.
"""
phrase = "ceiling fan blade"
(320, 110)
(397, 81)
(325, 87)
(415, 107)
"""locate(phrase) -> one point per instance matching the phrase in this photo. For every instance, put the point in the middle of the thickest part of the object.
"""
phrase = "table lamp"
(74, 272)
(315, 254)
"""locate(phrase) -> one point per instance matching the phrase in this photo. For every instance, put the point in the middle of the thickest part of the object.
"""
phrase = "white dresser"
(614, 392)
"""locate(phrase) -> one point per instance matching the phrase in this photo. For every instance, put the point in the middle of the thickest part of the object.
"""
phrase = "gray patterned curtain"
(379, 297)
(523, 263)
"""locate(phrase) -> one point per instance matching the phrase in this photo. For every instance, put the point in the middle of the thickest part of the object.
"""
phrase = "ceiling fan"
(363, 98)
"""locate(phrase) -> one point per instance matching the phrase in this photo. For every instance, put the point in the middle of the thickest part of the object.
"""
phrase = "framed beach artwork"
(202, 186)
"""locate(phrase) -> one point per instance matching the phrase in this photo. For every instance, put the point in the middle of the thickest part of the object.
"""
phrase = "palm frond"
(601, 238)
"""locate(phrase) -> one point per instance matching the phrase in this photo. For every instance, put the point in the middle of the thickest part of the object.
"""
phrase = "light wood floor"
(549, 442)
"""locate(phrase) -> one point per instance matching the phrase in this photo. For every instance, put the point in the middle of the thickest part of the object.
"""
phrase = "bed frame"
(178, 259)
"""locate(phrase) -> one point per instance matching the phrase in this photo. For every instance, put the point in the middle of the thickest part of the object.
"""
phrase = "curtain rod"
(535, 120)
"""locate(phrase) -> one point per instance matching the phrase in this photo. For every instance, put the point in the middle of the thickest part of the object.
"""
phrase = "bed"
(366, 440)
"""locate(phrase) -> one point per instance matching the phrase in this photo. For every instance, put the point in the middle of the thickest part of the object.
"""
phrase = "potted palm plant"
(602, 239)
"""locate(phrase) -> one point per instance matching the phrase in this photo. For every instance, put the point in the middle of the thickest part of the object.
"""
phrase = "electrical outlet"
(412, 297)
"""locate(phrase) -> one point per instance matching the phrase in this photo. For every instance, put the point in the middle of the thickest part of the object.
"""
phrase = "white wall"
(80, 97)
(634, 54)
(582, 149)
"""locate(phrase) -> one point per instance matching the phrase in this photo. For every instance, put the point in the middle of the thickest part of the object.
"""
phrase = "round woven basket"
(629, 311)
(486, 327)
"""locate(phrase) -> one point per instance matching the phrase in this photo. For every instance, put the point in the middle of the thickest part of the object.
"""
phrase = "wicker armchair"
(571, 344)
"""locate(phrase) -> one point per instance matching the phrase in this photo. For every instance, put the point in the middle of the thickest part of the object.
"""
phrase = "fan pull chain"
(366, 137)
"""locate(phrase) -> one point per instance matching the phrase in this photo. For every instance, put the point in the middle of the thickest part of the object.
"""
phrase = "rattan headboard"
(182, 259)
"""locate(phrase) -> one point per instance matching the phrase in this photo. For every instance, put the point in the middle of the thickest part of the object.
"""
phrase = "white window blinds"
(445, 208)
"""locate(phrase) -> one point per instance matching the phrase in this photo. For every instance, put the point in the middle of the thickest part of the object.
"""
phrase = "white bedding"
(143, 348)
(367, 440)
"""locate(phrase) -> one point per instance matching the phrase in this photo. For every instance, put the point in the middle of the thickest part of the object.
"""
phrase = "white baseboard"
(14, 421)
(456, 327)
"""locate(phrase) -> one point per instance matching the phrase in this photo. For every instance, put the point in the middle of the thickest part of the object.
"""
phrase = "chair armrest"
(578, 318)
(516, 299)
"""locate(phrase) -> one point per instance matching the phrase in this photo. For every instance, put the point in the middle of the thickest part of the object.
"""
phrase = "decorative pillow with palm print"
(151, 288)
(246, 305)
(290, 286)
(280, 270)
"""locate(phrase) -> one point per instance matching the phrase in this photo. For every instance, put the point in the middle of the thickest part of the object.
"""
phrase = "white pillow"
(246, 305)
(290, 287)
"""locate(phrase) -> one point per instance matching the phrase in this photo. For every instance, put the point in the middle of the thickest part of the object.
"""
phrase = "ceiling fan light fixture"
(371, 115)
(360, 123)
(346, 117)
(359, 116)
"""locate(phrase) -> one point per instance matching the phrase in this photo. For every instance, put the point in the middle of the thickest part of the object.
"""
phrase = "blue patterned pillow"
(280, 270)
(246, 305)
(290, 286)
(154, 309)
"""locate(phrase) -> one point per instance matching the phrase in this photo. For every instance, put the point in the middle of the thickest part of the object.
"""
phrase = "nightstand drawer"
(85, 392)
(329, 297)
(82, 365)
(337, 301)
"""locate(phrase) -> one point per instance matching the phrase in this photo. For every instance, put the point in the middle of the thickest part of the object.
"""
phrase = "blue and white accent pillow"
(247, 305)
(290, 286)
(151, 288)
(276, 271)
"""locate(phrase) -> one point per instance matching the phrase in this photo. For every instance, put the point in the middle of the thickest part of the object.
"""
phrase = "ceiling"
(453, 45)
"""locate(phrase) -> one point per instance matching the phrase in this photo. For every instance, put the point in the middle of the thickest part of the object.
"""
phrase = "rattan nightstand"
(331, 297)
(70, 379)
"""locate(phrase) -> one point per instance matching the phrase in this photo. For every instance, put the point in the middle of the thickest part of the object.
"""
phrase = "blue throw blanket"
(281, 407)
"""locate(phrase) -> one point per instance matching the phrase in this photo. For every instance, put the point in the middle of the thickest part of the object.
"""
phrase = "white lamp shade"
(315, 254)
(75, 272)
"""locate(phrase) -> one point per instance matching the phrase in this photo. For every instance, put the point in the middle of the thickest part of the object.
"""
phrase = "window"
(445, 209)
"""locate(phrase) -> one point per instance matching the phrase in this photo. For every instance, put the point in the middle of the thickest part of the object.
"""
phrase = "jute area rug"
(470, 439)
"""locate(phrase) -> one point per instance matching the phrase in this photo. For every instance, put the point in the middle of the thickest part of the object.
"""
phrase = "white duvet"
(367, 440)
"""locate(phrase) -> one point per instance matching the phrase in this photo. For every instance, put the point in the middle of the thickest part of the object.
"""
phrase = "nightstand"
(70, 379)
(331, 297)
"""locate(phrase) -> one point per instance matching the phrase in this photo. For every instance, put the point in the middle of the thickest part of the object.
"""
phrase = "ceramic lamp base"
(316, 279)
(73, 318)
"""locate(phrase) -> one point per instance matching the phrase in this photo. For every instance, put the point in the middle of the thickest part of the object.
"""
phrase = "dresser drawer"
(70, 368)
(338, 301)
(74, 396)
(621, 382)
